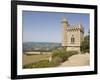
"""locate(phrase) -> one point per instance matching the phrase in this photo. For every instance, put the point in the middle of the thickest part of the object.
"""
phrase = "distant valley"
(40, 46)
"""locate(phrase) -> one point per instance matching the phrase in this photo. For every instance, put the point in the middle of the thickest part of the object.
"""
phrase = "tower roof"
(64, 19)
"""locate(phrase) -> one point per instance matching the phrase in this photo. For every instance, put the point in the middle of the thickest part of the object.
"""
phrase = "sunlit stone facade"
(72, 35)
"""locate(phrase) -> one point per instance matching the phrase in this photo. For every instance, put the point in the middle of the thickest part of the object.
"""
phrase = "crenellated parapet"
(77, 27)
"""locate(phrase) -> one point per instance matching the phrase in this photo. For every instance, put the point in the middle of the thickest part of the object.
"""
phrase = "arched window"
(72, 39)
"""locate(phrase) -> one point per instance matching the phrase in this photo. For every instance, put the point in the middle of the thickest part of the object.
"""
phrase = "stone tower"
(72, 36)
(65, 25)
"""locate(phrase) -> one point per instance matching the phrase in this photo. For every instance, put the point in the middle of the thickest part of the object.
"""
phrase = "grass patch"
(28, 59)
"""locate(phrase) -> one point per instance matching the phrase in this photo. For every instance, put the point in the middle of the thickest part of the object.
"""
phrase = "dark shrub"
(55, 61)
(85, 45)
(61, 53)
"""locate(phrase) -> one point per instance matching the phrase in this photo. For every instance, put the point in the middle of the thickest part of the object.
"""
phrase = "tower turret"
(65, 25)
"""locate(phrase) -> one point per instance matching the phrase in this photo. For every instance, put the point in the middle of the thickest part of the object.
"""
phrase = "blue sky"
(46, 26)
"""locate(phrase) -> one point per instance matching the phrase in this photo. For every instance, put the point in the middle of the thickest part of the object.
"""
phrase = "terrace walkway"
(77, 60)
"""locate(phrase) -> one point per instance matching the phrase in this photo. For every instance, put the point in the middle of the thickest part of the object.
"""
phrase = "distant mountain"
(31, 46)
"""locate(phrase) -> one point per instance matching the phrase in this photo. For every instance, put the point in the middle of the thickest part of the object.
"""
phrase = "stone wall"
(76, 31)
(73, 48)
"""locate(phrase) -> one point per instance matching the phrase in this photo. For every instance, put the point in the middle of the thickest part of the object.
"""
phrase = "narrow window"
(72, 39)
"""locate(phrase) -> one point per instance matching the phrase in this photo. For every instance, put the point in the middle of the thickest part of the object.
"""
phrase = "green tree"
(85, 44)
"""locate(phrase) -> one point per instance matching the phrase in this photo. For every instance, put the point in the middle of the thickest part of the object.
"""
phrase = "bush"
(85, 45)
(60, 53)
(55, 61)
(63, 54)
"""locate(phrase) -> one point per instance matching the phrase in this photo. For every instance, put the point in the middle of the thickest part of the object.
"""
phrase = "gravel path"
(77, 60)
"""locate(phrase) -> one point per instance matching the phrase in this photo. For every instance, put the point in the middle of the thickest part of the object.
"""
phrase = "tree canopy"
(85, 45)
